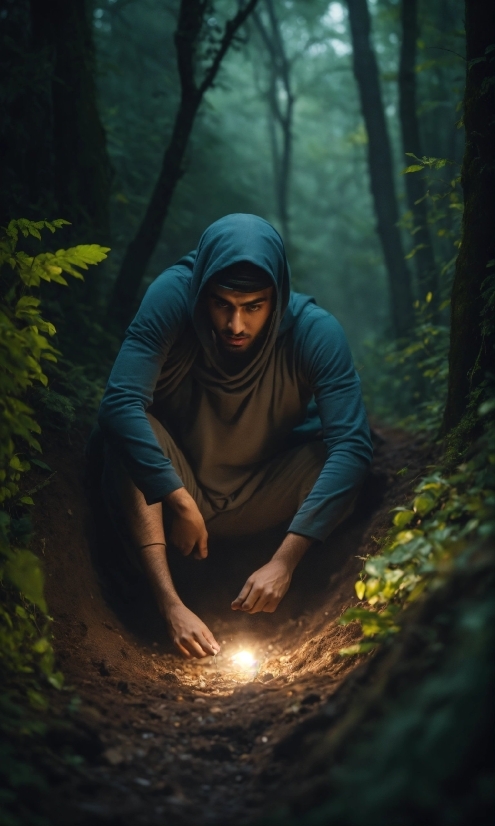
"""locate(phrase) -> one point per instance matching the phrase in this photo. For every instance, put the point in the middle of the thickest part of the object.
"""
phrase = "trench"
(154, 738)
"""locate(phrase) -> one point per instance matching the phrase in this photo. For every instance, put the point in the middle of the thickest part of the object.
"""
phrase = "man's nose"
(235, 323)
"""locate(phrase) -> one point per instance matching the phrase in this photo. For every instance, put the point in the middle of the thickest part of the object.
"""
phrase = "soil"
(146, 737)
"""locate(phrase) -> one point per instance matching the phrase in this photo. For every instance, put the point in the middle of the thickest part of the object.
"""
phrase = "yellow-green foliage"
(24, 344)
(448, 513)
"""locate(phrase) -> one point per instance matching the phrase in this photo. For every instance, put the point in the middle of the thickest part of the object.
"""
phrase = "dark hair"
(243, 277)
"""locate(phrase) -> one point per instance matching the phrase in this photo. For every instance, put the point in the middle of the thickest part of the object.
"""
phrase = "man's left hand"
(264, 589)
(268, 585)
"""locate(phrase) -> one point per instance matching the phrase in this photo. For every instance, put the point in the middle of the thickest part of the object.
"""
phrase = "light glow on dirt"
(244, 660)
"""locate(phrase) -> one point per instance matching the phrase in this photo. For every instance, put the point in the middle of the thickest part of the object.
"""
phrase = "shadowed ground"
(195, 742)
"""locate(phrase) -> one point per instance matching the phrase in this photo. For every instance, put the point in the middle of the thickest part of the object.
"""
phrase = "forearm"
(154, 559)
(292, 550)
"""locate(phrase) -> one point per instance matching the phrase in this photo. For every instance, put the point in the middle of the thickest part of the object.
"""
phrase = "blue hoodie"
(231, 426)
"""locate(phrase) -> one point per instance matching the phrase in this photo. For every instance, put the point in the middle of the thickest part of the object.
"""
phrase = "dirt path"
(164, 740)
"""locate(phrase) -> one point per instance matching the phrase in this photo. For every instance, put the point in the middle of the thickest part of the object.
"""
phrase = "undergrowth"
(27, 660)
(449, 513)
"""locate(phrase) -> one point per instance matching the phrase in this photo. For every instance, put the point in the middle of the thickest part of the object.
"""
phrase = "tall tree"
(380, 165)
(426, 270)
(280, 97)
(472, 339)
(53, 158)
(192, 22)
(62, 30)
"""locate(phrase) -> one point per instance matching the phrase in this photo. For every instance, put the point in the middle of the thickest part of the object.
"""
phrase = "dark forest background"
(364, 130)
(91, 91)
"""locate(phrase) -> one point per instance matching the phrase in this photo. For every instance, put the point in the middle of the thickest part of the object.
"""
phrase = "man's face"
(239, 318)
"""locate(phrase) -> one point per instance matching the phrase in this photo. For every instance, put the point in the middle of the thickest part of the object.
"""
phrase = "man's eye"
(221, 304)
(253, 308)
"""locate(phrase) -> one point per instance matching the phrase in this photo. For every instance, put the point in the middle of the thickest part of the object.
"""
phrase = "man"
(206, 424)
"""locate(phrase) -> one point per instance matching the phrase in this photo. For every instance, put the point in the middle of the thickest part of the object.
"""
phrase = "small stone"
(141, 781)
(264, 739)
(215, 710)
(169, 677)
(266, 677)
(147, 735)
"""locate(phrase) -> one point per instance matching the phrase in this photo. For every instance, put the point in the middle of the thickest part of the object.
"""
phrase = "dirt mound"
(195, 741)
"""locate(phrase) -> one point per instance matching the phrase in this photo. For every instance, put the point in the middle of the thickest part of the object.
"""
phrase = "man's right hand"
(188, 531)
(191, 636)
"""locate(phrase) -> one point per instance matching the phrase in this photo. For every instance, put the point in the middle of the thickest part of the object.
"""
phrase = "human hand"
(189, 634)
(264, 589)
(188, 532)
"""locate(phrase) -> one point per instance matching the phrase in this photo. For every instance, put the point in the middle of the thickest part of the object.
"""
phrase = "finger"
(185, 653)
(210, 639)
(251, 599)
(203, 547)
(236, 605)
(258, 605)
(193, 647)
(207, 646)
(186, 549)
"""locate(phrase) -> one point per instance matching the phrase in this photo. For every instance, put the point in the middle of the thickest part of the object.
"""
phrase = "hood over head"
(230, 240)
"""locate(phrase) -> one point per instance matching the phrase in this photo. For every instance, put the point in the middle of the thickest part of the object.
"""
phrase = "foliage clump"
(448, 515)
(25, 647)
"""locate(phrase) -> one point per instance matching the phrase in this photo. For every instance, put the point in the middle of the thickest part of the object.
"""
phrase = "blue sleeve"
(326, 364)
(161, 318)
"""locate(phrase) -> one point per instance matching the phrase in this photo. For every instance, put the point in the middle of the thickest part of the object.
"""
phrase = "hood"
(235, 238)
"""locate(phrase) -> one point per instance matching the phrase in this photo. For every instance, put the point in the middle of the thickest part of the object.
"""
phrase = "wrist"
(292, 550)
(180, 501)
(168, 603)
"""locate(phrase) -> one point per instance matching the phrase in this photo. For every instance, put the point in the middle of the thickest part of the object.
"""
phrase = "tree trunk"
(426, 270)
(280, 113)
(141, 248)
(190, 26)
(82, 172)
(380, 166)
(472, 334)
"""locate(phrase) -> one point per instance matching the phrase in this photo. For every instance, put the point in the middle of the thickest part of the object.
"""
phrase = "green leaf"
(24, 572)
(403, 518)
(486, 407)
(41, 645)
(40, 464)
(360, 588)
(37, 700)
(424, 503)
(56, 680)
(26, 500)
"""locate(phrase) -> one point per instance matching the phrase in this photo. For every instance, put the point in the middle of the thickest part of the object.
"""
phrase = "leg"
(288, 480)
(142, 527)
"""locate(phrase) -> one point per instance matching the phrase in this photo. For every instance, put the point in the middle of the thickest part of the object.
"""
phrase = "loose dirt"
(146, 737)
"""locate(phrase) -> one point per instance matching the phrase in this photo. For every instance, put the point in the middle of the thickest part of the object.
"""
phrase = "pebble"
(141, 781)
(264, 739)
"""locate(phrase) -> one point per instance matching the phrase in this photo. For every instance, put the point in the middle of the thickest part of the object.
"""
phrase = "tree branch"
(231, 28)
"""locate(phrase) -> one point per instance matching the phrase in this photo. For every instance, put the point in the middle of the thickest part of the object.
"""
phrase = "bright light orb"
(244, 660)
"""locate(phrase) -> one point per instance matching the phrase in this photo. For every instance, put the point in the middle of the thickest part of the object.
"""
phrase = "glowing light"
(244, 660)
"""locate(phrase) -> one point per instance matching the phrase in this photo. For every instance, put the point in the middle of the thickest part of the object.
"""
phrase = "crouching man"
(209, 419)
